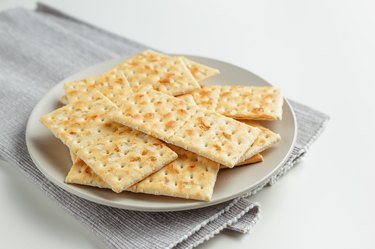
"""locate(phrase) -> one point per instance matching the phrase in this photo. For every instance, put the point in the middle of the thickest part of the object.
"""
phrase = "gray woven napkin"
(39, 48)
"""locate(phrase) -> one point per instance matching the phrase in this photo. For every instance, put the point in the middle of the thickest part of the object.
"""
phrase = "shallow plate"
(52, 157)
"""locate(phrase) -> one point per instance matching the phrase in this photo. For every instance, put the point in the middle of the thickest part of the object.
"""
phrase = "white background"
(322, 53)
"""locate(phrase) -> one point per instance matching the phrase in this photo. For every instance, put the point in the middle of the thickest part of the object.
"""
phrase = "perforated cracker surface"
(81, 173)
(250, 102)
(112, 84)
(200, 71)
(216, 137)
(190, 176)
(207, 97)
(166, 74)
(119, 155)
(153, 113)
(242, 102)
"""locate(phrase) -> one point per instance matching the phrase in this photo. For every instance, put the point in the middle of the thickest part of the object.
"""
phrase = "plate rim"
(193, 205)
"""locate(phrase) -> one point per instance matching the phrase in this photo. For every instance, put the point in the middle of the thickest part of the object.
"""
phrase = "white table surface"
(322, 53)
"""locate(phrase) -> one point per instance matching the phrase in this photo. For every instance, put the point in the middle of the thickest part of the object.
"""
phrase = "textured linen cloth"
(42, 47)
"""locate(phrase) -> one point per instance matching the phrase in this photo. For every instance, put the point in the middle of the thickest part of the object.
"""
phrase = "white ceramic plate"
(52, 157)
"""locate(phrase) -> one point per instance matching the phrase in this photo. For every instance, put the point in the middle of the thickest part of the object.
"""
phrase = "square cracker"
(254, 159)
(189, 176)
(119, 155)
(265, 133)
(215, 137)
(166, 74)
(153, 113)
(265, 140)
(250, 102)
(242, 102)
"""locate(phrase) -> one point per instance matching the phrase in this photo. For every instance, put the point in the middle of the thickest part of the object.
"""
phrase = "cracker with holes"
(199, 71)
(242, 102)
(265, 140)
(112, 84)
(119, 155)
(81, 173)
(216, 137)
(189, 176)
(166, 74)
(207, 97)
(153, 113)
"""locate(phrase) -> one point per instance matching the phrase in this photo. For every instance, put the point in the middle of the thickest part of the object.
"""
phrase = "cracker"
(112, 84)
(207, 97)
(119, 155)
(166, 74)
(216, 137)
(265, 140)
(153, 113)
(78, 89)
(250, 102)
(200, 71)
(81, 173)
(242, 102)
(190, 176)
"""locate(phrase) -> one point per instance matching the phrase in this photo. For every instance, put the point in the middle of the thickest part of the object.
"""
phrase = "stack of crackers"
(149, 125)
